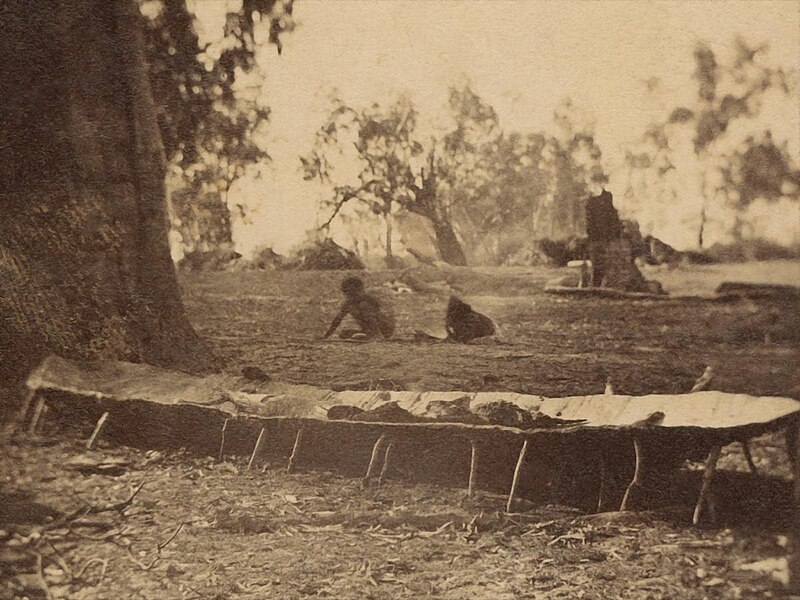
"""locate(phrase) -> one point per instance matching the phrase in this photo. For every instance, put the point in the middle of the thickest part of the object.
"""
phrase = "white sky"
(522, 56)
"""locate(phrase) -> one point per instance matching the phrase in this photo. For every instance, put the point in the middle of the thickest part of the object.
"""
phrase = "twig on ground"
(159, 547)
(119, 506)
(89, 563)
(60, 559)
(89, 509)
(40, 578)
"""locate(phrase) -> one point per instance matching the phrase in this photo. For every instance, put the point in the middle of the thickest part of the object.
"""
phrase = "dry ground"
(266, 534)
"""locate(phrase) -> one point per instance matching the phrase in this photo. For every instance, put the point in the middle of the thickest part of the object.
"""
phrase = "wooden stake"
(705, 487)
(473, 470)
(517, 471)
(373, 461)
(37, 413)
(601, 494)
(792, 445)
(222, 440)
(40, 426)
(97, 429)
(290, 468)
(23, 411)
(256, 448)
(749, 457)
(386, 457)
(792, 437)
(704, 379)
(637, 472)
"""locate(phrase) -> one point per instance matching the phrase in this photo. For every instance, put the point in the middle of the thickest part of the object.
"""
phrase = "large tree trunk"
(448, 244)
(426, 204)
(85, 268)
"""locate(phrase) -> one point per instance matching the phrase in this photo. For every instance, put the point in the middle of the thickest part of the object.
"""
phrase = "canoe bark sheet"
(718, 414)
(580, 437)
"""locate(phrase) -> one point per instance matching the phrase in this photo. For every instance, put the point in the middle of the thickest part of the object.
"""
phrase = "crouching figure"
(464, 324)
(373, 319)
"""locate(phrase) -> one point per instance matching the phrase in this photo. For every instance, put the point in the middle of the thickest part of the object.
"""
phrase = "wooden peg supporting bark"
(601, 494)
(473, 470)
(637, 475)
(705, 487)
(37, 413)
(27, 399)
(295, 451)
(793, 445)
(101, 422)
(515, 479)
(40, 425)
(704, 379)
(386, 458)
(373, 461)
(256, 448)
(222, 440)
(749, 457)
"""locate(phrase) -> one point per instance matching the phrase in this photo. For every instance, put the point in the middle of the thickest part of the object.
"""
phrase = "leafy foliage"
(475, 179)
(384, 150)
(210, 121)
(734, 170)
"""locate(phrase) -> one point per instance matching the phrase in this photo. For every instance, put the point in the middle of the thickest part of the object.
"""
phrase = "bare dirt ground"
(201, 529)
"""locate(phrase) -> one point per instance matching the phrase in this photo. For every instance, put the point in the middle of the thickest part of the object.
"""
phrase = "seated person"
(464, 324)
(365, 309)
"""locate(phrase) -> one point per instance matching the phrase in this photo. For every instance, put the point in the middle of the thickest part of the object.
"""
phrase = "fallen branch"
(91, 510)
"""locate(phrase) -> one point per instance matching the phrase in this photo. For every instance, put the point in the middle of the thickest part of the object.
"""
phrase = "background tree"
(710, 143)
(366, 156)
(572, 168)
(395, 172)
(210, 111)
(494, 190)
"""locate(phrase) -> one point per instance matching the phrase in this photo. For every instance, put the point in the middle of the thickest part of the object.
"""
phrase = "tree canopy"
(210, 112)
(731, 166)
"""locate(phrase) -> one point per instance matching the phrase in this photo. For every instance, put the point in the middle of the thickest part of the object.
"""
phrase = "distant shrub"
(555, 253)
(266, 259)
(218, 259)
(325, 255)
(749, 250)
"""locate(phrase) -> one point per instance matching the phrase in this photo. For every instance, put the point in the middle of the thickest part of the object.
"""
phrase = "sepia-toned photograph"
(399, 299)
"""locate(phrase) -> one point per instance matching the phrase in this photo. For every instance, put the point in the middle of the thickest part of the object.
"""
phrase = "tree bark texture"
(85, 268)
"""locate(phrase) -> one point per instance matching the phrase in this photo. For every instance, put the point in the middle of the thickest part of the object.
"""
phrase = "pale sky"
(521, 56)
